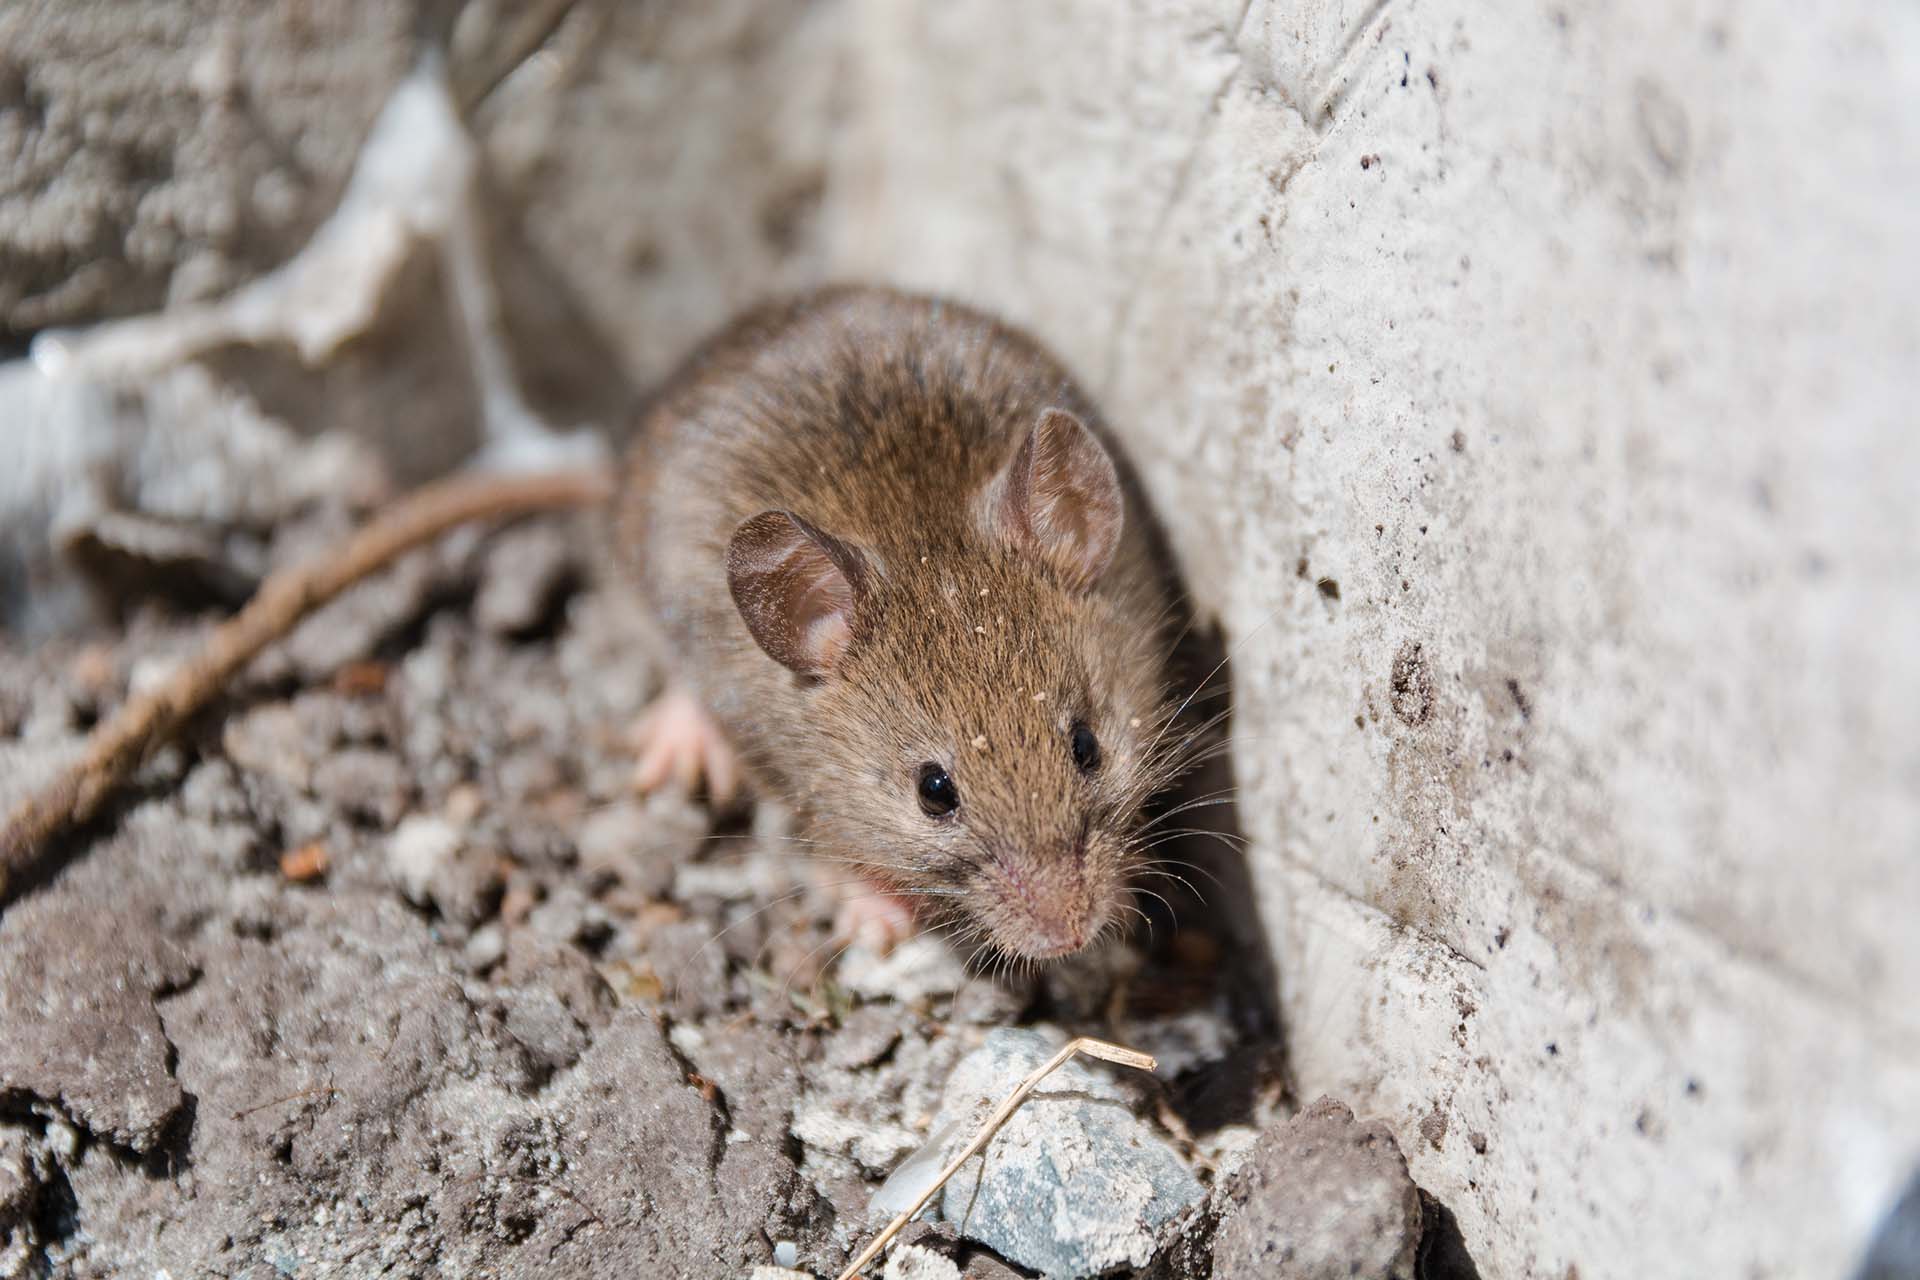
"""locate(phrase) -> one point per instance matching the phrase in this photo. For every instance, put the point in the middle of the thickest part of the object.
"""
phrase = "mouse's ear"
(795, 588)
(1060, 499)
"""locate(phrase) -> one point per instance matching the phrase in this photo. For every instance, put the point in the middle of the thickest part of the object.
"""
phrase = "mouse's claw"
(678, 742)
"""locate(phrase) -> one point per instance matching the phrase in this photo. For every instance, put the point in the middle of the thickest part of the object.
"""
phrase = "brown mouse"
(906, 587)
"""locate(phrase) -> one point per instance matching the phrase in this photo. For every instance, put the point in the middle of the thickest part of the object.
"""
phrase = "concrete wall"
(1530, 390)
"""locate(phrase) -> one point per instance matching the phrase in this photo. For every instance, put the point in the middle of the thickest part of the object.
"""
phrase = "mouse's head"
(987, 700)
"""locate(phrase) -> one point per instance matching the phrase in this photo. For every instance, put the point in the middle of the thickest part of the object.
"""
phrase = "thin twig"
(118, 745)
(1101, 1049)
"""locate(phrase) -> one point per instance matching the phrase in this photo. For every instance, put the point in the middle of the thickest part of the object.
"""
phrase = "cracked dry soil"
(382, 969)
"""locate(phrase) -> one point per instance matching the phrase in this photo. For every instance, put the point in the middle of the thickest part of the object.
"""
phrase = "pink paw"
(678, 742)
(873, 918)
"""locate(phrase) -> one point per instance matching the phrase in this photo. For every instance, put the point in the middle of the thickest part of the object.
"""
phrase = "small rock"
(271, 740)
(1073, 1184)
(921, 967)
(765, 1272)
(212, 792)
(865, 1036)
(367, 783)
(18, 1183)
(1184, 1041)
(417, 851)
(485, 948)
(105, 1059)
(876, 1147)
(915, 1262)
(632, 844)
(1321, 1197)
(468, 887)
(307, 863)
(566, 916)
(526, 569)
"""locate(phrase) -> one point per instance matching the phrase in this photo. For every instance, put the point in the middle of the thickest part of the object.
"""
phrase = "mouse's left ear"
(795, 587)
(1060, 499)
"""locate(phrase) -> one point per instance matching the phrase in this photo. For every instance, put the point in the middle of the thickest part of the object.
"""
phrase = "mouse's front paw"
(678, 742)
(873, 918)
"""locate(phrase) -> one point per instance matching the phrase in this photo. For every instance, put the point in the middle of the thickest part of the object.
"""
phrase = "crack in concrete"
(1182, 179)
(1872, 1022)
(1325, 101)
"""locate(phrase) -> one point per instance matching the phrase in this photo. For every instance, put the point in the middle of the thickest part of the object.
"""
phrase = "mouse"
(906, 584)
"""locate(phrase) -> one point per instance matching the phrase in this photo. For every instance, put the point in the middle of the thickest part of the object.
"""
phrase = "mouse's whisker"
(680, 970)
(1161, 873)
(793, 970)
(1211, 800)
(1161, 898)
(1161, 866)
(1219, 666)
(1167, 835)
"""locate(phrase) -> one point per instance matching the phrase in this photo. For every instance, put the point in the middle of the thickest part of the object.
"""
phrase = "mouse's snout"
(1047, 908)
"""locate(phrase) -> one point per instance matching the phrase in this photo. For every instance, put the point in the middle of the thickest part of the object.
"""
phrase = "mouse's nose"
(1058, 932)
(1049, 944)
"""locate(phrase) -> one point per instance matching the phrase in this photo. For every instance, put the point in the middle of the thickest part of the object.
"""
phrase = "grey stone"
(521, 579)
(419, 850)
(365, 782)
(1073, 1184)
(642, 845)
(917, 1262)
(79, 1035)
(1320, 1197)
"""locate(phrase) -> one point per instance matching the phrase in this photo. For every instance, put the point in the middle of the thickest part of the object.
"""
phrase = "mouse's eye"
(938, 796)
(1086, 748)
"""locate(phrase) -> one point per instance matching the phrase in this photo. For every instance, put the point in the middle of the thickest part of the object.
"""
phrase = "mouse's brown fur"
(914, 612)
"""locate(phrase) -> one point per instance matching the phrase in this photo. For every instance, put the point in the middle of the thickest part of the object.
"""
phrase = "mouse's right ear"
(795, 588)
(1060, 499)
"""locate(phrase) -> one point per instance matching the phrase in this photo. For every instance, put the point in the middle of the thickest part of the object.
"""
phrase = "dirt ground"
(384, 970)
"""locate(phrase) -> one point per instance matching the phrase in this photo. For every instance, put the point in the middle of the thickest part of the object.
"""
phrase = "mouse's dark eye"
(1086, 749)
(938, 796)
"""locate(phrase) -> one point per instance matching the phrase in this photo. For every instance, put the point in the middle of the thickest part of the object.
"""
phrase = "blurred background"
(1528, 392)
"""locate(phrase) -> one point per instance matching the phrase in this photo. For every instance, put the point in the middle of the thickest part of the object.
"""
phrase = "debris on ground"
(1074, 1184)
(1321, 1196)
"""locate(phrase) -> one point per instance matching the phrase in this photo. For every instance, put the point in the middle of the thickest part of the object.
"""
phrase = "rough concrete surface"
(174, 148)
(1530, 391)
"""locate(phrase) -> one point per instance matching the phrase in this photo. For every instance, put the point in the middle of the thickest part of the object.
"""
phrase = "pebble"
(270, 740)
(524, 572)
(417, 850)
(639, 846)
(1074, 1184)
(1321, 1197)
(875, 1146)
(920, 967)
(916, 1262)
